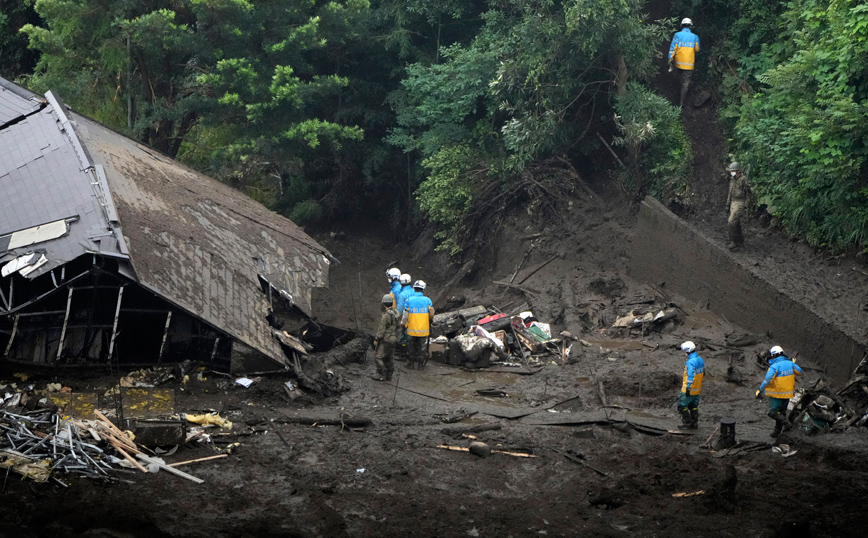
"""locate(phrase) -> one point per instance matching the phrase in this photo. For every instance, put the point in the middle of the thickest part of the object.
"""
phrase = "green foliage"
(446, 196)
(805, 130)
(660, 156)
(15, 58)
(526, 90)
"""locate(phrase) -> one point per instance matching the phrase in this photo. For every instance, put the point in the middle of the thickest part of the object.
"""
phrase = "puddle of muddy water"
(461, 385)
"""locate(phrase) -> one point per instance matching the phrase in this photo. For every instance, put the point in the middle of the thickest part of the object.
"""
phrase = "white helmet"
(393, 274)
(405, 279)
(686, 22)
(775, 351)
(688, 347)
(419, 285)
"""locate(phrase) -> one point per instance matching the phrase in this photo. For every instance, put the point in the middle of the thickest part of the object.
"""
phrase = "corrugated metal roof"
(15, 104)
(195, 242)
(42, 182)
(202, 244)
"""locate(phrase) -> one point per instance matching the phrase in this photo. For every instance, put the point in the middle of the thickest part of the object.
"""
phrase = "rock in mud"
(480, 449)
(702, 98)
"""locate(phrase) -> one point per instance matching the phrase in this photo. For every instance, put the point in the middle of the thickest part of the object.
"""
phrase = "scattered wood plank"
(127, 456)
(683, 495)
(464, 449)
(706, 445)
(209, 458)
(182, 474)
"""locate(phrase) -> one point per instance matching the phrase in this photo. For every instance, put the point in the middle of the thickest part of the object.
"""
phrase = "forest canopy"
(442, 112)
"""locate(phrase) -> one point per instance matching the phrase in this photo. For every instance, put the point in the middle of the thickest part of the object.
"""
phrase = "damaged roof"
(73, 187)
(16, 103)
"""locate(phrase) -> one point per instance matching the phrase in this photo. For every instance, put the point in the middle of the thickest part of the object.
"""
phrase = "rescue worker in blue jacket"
(417, 317)
(393, 275)
(406, 292)
(682, 55)
(691, 386)
(779, 385)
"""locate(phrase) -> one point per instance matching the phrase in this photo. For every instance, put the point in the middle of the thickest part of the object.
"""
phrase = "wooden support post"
(115, 325)
(165, 335)
(214, 350)
(5, 302)
(65, 321)
(12, 337)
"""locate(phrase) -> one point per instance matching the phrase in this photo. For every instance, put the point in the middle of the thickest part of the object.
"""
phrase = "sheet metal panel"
(201, 244)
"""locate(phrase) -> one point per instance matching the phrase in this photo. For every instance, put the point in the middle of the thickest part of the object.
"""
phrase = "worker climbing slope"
(736, 201)
(682, 55)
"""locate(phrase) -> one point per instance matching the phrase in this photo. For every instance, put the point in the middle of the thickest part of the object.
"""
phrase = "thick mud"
(601, 425)
(608, 457)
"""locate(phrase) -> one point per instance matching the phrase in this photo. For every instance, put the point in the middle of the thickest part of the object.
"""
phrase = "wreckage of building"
(113, 254)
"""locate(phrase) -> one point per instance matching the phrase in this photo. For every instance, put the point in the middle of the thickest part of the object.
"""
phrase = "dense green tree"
(15, 58)
(803, 126)
(501, 114)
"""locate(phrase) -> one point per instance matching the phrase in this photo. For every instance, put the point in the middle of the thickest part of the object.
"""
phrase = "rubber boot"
(780, 421)
(694, 419)
(686, 419)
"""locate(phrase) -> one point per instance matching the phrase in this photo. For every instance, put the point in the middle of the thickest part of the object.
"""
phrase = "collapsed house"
(113, 254)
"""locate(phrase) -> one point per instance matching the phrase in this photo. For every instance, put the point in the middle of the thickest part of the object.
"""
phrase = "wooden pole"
(177, 464)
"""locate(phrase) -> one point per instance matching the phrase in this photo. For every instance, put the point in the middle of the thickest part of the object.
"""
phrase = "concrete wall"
(667, 249)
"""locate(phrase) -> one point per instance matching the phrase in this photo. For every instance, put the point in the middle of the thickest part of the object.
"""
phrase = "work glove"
(670, 68)
(759, 394)
(375, 343)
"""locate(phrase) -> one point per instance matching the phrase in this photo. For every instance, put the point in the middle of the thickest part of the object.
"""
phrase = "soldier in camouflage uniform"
(736, 201)
(384, 341)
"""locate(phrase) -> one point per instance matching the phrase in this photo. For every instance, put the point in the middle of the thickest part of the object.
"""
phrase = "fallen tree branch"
(580, 462)
(514, 286)
(550, 260)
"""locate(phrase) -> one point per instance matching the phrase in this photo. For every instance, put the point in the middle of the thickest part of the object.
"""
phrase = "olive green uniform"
(387, 335)
(736, 200)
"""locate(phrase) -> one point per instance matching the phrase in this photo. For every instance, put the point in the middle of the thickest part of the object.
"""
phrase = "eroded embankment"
(668, 251)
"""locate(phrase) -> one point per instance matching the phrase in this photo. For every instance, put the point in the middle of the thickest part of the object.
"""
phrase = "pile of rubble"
(53, 434)
(478, 337)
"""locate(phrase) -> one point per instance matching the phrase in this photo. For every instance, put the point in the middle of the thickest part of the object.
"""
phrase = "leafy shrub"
(660, 156)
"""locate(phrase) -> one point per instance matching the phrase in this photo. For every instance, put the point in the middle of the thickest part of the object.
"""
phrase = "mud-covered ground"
(597, 470)
(601, 425)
